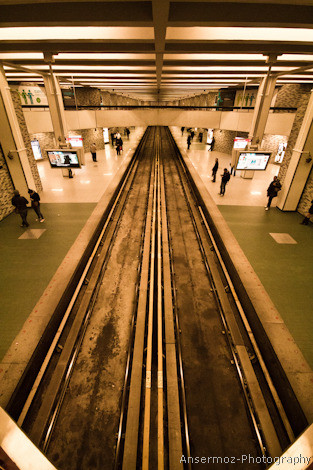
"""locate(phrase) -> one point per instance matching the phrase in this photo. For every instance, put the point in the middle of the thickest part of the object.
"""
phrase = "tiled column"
(300, 164)
(261, 109)
(15, 149)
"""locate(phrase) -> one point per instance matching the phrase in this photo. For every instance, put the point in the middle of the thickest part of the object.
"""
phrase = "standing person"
(93, 150)
(20, 204)
(112, 138)
(188, 141)
(214, 170)
(35, 199)
(225, 179)
(309, 214)
(182, 130)
(192, 133)
(272, 191)
(200, 136)
(127, 132)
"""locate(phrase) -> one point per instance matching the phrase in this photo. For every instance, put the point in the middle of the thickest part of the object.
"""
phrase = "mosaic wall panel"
(7, 188)
(46, 141)
(26, 138)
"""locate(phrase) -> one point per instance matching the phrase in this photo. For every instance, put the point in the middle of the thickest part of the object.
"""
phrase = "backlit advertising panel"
(63, 158)
(36, 150)
(253, 160)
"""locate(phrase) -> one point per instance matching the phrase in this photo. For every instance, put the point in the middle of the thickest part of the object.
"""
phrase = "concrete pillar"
(261, 110)
(300, 164)
(13, 145)
(56, 107)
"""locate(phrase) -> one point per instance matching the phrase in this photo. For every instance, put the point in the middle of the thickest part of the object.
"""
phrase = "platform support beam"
(56, 106)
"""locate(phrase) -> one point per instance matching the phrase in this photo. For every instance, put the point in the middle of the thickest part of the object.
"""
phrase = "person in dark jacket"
(272, 191)
(211, 145)
(188, 141)
(225, 179)
(20, 204)
(214, 170)
(309, 214)
(35, 200)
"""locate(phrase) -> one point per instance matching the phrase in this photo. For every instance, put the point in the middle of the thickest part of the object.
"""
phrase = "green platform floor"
(27, 265)
(285, 270)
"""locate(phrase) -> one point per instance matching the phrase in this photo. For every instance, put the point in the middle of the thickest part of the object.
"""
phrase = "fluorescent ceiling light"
(103, 56)
(76, 32)
(91, 67)
(76, 76)
(230, 56)
(233, 68)
(296, 57)
(239, 34)
(20, 55)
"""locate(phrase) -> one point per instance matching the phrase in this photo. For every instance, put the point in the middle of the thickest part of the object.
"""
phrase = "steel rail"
(148, 381)
(250, 380)
(55, 392)
(170, 339)
(159, 318)
(256, 349)
(130, 453)
(141, 270)
(68, 311)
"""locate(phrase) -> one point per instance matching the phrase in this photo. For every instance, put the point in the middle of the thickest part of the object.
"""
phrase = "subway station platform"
(29, 258)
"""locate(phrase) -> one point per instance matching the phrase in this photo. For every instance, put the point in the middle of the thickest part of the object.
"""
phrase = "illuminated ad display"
(210, 136)
(241, 143)
(106, 135)
(63, 159)
(36, 150)
(281, 152)
(75, 140)
(253, 160)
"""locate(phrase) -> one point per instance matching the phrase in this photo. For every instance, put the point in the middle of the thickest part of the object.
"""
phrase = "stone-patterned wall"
(307, 195)
(91, 136)
(302, 104)
(88, 96)
(289, 95)
(7, 188)
(224, 140)
(271, 142)
(26, 138)
(46, 141)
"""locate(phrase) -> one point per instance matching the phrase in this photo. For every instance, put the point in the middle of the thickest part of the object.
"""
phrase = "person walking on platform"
(225, 179)
(127, 132)
(214, 170)
(188, 141)
(182, 130)
(20, 204)
(309, 214)
(93, 150)
(35, 200)
(272, 191)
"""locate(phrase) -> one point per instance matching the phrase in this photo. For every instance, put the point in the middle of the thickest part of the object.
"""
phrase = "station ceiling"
(159, 49)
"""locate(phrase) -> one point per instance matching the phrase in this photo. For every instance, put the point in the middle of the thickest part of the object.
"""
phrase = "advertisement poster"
(75, 140)
(210, 136)
(36, 150)
(32, 95)
(281, 152)
(106, 135)
(241, 143)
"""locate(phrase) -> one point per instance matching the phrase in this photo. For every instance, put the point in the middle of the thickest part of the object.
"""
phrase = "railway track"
(155, 364)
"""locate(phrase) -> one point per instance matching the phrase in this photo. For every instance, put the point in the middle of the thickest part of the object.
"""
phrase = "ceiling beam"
(160, 10)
